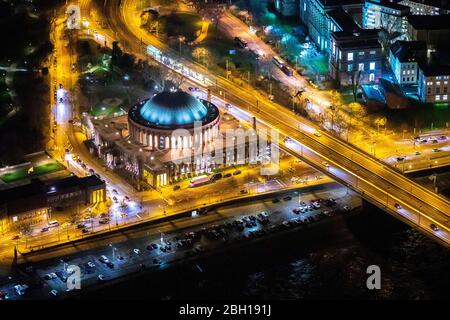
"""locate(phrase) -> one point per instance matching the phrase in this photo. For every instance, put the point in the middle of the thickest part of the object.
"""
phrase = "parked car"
(54, 292)
(237, 172)
(101, 277)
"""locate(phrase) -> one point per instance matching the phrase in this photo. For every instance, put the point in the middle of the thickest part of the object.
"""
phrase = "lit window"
(361, 67)
(350, 56)
(350, 68)
(445, 97)
(372, 77)
(15, 219)
(438, 98)
(372, 66)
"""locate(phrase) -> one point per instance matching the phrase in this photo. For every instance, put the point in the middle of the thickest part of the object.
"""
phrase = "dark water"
(327, 261)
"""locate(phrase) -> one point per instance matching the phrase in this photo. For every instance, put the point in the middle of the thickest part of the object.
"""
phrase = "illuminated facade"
(387, 15)
(34, 202)
(165, 138)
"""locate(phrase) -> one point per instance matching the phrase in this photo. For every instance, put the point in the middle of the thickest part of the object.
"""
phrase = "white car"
(317, 134)
(91, 264)
(137, 251)
(54, 292)
(104, 259)
(101, 277)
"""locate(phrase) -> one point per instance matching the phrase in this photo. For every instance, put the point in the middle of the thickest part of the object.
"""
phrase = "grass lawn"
(104, 111)
(183, 24)
(38, 170)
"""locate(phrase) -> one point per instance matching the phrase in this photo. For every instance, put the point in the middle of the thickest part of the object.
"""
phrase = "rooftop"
(409, 50)
(435, 22)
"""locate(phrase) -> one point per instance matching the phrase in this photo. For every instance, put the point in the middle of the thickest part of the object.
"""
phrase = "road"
(373, 179)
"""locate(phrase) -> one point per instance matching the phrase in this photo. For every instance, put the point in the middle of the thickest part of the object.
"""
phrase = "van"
(53, 223)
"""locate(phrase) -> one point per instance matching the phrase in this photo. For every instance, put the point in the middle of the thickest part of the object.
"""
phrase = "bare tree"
(355, 78)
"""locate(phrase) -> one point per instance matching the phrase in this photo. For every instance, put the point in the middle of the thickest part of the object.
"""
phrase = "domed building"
(168, 137)
(152, 122)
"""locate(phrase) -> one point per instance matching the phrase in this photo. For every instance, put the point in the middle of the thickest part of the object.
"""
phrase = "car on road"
(436, 150)
(115, 199)
(399, 159)
(80, 225)
(287, 198)
(193, 89)
(115, 191)
(346, 208)
(276, 200)
(417, 153)
(101, 277)
(217, 176)
(397, 206)
(3, 296)
(137, 251)
(317, 133)
(442, 138)
(237, 172)
(15, 237)
(110, 265)
(156, 261)
(85, 230)
(54, 292)
(44, 229)
(103, 221)
(175, 188)
(227, 175)
(434, 227)
(243, 191)
(91, 264)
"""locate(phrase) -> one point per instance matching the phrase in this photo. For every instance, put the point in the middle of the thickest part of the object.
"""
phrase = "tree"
(116, 54)
(355, 78)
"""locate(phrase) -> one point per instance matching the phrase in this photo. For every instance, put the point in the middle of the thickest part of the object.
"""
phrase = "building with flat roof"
(35, 201)
(404, 57)
(434, 30)
(433, 83)
(356, 57)
(427, 7)
(315, 14)
(387, 15)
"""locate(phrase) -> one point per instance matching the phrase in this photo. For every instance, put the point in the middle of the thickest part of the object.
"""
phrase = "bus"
(283, 67)
(240, 42)
(199, 181)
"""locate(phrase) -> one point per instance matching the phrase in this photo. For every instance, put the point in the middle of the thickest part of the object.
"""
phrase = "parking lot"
(154, 250)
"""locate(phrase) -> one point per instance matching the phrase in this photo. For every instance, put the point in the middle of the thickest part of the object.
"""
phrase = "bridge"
(374, 180)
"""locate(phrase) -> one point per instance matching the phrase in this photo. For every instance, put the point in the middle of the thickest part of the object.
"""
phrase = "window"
(372, 52)
(350, 56)
(438, 98)
(438, 90)
(403, 79)
(438, 83)
(361, 67)
(372, 77)
(350, 68)
(361, 53)
(445, 97)
(372, 66)
(407, 79)
(429, 91)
